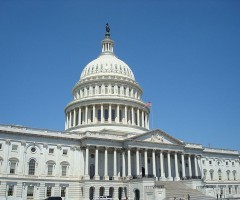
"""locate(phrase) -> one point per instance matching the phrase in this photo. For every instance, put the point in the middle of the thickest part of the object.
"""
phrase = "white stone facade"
(107, 147)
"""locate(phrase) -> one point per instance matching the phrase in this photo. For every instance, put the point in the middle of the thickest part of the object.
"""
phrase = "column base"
(106, 178)
(176, 179)
(115, 178)
(96, 177)
(86, 177)
(128, 177)
(162, 178)
(170, 178)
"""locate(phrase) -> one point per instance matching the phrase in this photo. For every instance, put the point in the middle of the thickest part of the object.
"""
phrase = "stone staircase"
(180, 190)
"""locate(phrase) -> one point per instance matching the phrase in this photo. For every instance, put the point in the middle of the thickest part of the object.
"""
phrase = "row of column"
(107, 89)
(129, 173)
(107, 113)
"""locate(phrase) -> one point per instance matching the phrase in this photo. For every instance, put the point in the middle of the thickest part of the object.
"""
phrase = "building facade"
(107, 148)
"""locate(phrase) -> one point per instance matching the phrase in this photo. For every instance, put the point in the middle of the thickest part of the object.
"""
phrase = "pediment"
(157, 136)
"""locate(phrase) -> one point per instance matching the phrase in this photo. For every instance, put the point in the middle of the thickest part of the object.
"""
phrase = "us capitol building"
(107, 148)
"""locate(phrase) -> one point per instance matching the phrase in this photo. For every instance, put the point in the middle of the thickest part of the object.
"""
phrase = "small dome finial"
(107, 34)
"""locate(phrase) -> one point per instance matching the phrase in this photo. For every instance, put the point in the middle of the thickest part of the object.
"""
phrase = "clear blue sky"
(184, 54)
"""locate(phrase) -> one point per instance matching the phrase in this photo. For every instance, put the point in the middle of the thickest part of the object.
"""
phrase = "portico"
(115, 165)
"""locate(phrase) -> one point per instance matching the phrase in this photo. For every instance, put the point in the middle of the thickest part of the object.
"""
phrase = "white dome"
(107, 64)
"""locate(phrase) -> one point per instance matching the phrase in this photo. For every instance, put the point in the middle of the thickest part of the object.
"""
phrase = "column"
(79, 115)
(96, 176)
(125, 115)
(162, 178)
(115, 177)
(137, 161)
(102, 116)
(70, 119)
(74, 117)
(86, 115)
(146, 162)
(123, 164)
(106, 177)
(154, 163)
(86, 163)
(146, 119)
(142, 118)
(66, 119)
(176, 167)
(189, 166)
(117, 114)
(169, 167)
(129, 163)
(94, 114)
(200, 166)
(133, 120)
(196, 166)
(138, 117)
(110, 113)
(183, 166)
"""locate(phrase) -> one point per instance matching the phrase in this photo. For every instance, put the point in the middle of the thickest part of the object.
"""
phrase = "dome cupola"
(107, 96)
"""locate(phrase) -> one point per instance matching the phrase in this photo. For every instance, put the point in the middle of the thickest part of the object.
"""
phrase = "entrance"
(137, 195)
(143, 172)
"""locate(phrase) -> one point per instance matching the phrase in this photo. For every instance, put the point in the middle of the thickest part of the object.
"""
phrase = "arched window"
(50, 167)
(204, 174)
(211, 174)
(111, 190)
(64, 168)
(234, 175)
(101, 192)
(228, 175)
(120, 191)
(219, 175)
(31, 167)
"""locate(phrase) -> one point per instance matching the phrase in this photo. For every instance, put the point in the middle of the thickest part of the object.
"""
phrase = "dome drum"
(107, 89)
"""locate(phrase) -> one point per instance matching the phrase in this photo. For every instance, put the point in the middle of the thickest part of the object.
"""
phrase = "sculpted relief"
(157, 138)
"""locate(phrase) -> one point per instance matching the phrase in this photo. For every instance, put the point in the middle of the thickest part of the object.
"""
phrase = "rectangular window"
(49, 191)
(30, 190)
(120, 116)
(232, 163)
(14, 147)
(91, 116)
(113, 115)
(63, 191)
(112, 89)
(64, 170)
(12, 167)
(10, 190)
(226, 163)
(99, 115)
(51, 151)
(106, 114)
(0, 146)
(210, 162)
(65, 152)
(50, 169)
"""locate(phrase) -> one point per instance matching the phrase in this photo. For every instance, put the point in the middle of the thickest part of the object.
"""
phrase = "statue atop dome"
(107, 30)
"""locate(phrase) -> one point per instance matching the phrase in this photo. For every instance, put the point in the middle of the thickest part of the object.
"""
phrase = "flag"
(148, 104)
